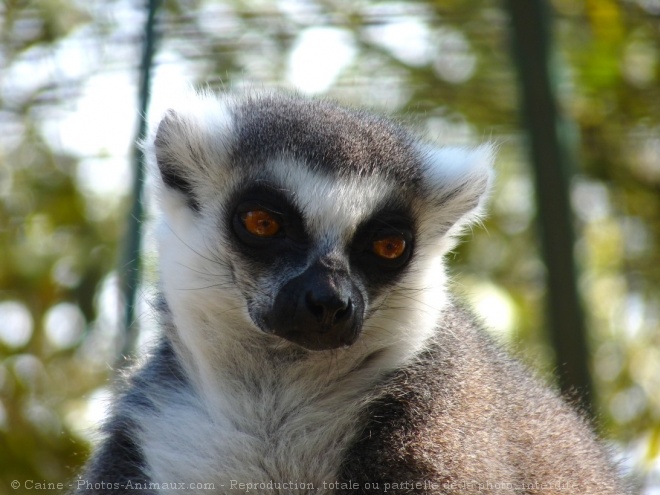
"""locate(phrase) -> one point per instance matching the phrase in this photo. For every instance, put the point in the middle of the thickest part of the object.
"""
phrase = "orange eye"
(260, 223)
(389, 248)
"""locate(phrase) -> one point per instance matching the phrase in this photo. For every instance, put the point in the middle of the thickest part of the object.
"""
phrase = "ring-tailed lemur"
(308, 342)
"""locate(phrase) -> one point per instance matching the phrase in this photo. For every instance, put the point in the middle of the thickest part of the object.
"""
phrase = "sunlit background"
(68, 120)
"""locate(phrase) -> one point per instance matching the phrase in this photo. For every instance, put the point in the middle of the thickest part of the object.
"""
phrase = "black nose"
(320, 309)
(328, 307)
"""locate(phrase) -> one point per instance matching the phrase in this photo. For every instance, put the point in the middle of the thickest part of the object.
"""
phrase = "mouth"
(318, 341)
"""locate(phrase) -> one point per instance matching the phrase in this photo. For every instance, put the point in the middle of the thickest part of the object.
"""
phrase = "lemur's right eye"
(390, 247)
(267, 224)
(260, 223)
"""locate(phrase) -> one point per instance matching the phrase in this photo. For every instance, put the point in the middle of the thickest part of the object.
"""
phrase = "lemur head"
(296, 222)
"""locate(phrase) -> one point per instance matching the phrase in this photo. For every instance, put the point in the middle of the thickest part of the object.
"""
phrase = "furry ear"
(173, 153)
(192, 144)
(459, 180)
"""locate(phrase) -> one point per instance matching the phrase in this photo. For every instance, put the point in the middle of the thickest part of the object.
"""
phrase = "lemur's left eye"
(389, 248)
(260, 223)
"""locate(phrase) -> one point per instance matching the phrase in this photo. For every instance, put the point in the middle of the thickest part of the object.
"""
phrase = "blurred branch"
(130, 269)
(550, 155)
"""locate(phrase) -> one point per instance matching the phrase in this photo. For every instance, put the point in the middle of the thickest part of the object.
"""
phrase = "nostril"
(315, 307)
(328, 310)
(343, 313)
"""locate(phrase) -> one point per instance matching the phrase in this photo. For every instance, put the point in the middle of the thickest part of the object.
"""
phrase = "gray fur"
(392, 383)
(482, 424)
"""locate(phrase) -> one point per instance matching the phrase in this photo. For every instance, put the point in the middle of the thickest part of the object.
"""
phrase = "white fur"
(467, 169)
(251, 416)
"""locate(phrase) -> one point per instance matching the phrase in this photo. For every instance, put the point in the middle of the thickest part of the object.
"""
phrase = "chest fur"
(293, 437)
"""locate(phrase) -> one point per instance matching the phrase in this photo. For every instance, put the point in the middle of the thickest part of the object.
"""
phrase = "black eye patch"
(383, 245)
(265, 224)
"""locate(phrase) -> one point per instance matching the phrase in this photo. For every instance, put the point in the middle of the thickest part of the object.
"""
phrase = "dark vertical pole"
(550, 156)
(130, 272)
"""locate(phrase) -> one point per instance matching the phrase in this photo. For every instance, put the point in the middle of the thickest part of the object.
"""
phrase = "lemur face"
(312, 218)
(329, 261)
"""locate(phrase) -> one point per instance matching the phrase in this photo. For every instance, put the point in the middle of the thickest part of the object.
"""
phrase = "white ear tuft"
(459, 180)
(192, 142)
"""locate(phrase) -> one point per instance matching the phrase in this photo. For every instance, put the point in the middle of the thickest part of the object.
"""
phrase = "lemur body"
(308, 342)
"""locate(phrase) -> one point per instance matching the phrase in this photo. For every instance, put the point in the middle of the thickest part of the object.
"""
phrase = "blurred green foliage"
(443, 66)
